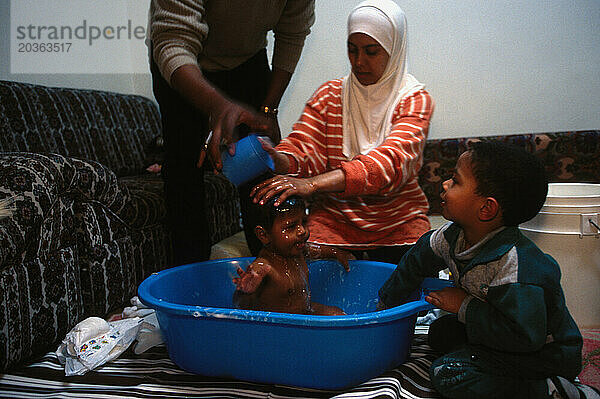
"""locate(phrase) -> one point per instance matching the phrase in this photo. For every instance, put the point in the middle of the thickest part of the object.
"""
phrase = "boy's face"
(460, 201)
(289, 233)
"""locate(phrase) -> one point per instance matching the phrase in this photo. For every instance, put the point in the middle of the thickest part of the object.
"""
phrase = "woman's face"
(367, 57)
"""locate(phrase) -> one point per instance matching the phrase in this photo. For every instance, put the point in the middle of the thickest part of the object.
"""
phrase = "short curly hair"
(267, 213)
(514, 177)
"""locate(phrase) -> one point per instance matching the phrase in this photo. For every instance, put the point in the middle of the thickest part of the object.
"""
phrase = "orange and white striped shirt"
(382, 204)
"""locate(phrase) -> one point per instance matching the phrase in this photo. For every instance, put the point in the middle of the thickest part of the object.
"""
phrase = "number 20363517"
(44, 47)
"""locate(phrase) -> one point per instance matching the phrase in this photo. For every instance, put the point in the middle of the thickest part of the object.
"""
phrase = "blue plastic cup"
(249, 161)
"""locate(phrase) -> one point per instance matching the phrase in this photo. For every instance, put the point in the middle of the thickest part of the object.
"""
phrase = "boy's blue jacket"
(515, 304)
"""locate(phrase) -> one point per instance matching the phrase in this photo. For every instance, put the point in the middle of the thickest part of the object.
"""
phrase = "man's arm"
(224, 114)
(178, 30)
(280, 80)
(289, 33)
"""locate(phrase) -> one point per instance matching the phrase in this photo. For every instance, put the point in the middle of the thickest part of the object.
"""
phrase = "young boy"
(277, 280)
(509, 334)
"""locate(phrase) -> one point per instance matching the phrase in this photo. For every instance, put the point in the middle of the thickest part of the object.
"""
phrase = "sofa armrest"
(45, 188)
(40, 295)
(35, 182)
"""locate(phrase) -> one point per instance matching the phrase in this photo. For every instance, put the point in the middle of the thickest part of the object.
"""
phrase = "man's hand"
(449, 299)
(273, 131)
(224, 114)
(225, 117)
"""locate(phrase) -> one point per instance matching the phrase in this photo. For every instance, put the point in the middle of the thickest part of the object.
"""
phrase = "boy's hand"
(448, 299)
(248, 281)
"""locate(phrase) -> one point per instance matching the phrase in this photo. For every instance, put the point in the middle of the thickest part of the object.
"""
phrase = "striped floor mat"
(153, 375)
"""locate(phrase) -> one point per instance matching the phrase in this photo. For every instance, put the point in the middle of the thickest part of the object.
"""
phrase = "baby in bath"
(277, 280)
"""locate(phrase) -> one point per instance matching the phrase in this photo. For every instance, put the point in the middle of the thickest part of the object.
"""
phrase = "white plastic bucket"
(567, 229)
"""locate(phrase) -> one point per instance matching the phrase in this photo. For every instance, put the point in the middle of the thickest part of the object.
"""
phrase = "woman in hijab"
(357, 148)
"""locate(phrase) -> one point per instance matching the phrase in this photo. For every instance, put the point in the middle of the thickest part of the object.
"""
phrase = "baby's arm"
(318, 251)
(249, 280)
(325, 310)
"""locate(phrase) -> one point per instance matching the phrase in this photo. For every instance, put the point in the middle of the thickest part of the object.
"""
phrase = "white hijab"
(367, 110)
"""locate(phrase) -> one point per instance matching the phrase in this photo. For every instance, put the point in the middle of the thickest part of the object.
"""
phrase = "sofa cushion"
(63, 202)
(117, 130)
(108, 276)
(147, 194)
(222, 203)
(43, 220)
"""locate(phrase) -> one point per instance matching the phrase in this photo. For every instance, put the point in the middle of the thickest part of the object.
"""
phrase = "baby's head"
(511, 175)
(282, 228)
(267, 214)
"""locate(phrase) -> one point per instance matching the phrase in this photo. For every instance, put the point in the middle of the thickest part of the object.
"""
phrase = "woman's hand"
(282, 186)
(280, 160)
(449, 299)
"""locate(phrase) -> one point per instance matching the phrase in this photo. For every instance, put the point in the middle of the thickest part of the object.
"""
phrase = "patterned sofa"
(568, 156)
(89, 222)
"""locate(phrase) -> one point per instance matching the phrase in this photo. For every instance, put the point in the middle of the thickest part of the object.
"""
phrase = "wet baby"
(277, 280)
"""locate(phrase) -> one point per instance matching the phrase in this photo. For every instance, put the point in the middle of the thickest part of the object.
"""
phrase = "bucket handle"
(589, 225)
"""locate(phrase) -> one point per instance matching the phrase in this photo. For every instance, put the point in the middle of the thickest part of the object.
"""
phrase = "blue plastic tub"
(207, 336)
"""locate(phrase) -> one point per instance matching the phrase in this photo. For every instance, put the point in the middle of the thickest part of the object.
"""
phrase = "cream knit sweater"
(222, 34)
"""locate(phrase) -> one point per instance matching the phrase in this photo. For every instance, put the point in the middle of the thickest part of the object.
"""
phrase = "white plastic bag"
(150, 334)
(95, 341)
